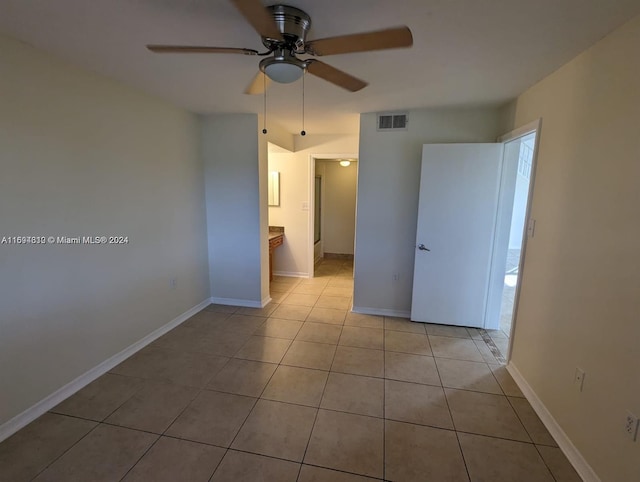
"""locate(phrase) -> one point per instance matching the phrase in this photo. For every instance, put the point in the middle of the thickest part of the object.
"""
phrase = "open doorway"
(525, 150)
(334, 215)
(290, 218)
(512, 227)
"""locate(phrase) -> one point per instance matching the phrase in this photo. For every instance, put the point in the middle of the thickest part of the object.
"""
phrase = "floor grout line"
(340, 342)
(66, 451)
(384, 404)
(255, 403)
(313, 426)
(446, 399)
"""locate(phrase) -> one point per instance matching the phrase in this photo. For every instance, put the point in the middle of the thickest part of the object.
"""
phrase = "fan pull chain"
(303, 132)
(264, 119)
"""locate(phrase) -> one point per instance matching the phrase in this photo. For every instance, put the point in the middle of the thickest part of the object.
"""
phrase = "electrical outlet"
(578, 379)
(631, 426)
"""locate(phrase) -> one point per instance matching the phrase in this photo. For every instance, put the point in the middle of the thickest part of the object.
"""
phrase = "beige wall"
(580, 303)
(388, 187)
(83, 155)
(292, 258)
(338, 206)
(230, 151)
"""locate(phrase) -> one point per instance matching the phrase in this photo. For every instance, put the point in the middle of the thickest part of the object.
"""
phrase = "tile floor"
(302, 390)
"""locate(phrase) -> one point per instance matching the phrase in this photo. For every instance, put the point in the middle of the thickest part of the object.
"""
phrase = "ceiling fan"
(284, 30)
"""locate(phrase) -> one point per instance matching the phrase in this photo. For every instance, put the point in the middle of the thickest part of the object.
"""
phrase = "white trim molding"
(237, 302)
(29, 415)
(381, 312)
(564, 442)
(533, 126)
(291, 274)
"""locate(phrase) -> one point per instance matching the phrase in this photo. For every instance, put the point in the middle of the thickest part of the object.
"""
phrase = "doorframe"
(534, 126)
(312, 186)
(313, 216)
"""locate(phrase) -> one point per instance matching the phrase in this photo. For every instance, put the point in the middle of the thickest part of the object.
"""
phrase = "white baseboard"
(29, 415)
(266, 301)
(235, 302)
(291, 274)
(381, 312)
(566, 445)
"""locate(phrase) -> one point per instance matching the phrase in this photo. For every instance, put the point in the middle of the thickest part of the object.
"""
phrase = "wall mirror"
(274, 188)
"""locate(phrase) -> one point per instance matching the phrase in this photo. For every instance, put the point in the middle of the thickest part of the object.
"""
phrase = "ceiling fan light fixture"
(283, 72)
(283, 30)
(283, 67)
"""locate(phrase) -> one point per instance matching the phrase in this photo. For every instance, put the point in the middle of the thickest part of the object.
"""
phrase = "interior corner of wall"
(507, 116)
(278, 135)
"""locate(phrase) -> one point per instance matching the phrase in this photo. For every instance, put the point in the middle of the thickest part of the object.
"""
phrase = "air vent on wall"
(393, 121)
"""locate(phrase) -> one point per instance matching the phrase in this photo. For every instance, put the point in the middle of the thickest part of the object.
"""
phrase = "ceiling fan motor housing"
(284, 30)
(293, 23)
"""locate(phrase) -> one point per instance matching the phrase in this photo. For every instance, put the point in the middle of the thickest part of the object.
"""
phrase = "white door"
(459, 187)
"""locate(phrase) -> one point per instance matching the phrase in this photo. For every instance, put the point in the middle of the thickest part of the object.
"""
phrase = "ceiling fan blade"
(335, 76)
(194, 49)
(258, 84)
(259, 18)
(391, 38)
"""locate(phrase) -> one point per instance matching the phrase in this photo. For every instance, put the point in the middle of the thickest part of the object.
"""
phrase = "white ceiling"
(466, 52)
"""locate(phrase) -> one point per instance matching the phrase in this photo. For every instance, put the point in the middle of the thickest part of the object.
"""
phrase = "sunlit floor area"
(499, 339)
(509, 291)
(302, 390)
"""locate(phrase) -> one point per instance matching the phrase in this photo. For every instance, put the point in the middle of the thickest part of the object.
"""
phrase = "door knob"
(422, 247)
